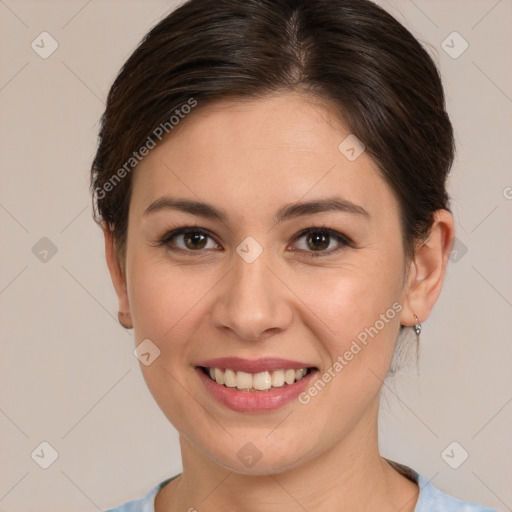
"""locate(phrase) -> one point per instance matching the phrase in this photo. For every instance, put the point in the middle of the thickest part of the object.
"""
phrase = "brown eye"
(317, 241)
(194, 240)
(188, 239)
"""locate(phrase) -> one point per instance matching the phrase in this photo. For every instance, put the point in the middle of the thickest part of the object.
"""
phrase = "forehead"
(260, 154)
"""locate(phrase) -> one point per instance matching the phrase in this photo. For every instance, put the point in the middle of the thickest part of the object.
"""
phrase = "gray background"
(68, 374)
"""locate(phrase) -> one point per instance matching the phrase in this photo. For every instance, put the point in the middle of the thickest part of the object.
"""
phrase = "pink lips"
(254, 401)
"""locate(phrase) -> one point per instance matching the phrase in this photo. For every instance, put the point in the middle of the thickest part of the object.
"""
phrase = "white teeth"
(289, 376)
(261, 381)
(243, 380)
(230, 378)
(300, 373)
(219, 376)
(256, 381)
(277, 378)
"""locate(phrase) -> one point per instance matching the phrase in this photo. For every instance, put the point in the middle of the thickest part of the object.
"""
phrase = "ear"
(118, 278)
(427, 270)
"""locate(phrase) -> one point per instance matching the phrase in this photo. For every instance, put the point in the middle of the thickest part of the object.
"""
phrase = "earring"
(417, 328)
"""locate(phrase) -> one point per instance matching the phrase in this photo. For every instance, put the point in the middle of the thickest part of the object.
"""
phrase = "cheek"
(162, 295)
(359, 305)
(352, 297)
(365, 321)
(162, 301)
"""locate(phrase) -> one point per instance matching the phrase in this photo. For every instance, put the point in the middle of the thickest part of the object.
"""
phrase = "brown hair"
(351, 53)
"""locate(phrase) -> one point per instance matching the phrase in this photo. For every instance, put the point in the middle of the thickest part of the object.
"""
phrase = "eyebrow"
(287, 212)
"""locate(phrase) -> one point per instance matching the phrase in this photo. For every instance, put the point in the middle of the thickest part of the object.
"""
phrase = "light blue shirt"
(430, 499)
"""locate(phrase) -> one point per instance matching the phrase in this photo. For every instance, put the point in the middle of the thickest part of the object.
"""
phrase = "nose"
(251, 302)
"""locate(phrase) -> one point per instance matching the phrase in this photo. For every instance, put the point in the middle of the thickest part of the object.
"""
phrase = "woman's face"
(254, 285)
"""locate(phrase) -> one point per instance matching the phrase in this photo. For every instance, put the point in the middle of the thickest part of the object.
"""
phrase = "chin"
(258, 458)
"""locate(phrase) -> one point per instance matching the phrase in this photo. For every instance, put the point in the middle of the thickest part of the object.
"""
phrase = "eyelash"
(342, 239)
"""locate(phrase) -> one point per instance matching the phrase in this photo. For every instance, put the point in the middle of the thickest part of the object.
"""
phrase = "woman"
(271, 183)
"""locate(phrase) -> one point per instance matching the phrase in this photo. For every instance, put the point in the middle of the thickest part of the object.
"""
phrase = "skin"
(249, 159)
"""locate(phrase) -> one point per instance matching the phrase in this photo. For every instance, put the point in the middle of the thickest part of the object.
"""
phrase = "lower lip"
(255, 401)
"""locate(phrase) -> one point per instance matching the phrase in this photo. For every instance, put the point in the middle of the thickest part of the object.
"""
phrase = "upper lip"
(266, 364)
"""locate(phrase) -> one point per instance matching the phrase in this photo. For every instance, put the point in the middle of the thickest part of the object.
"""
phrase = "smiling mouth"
(254, 382)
